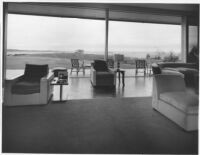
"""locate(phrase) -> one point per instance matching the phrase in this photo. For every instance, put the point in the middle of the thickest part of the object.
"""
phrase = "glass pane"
(159, 42)
(53, 41)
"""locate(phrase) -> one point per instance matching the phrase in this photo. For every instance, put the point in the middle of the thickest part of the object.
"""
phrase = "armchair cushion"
(183, 101)
(105, 74)
(35, 72)
(29, 83)
(100, 65)
(26, 87)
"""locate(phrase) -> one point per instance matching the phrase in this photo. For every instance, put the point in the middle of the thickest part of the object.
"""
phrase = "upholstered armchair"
(32, 88)
(172, 100)
(101, 75)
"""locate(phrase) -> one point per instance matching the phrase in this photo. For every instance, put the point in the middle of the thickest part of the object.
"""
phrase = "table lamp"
(118, 58)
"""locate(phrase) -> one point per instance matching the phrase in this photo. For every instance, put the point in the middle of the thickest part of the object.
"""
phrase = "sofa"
(101, 75)
(32, 88)
(171, 99)
(189, 71)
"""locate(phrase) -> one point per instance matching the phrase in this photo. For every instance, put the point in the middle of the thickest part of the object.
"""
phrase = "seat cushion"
(100, 65)
(105, 78)
(105, 73)
(26, 87)
(183, 101)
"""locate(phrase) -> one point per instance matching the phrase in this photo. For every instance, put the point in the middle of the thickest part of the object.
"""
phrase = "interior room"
(100, 78)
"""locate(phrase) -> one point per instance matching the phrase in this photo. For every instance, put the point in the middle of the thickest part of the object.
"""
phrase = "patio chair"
(77, 66)
(32, 88)
(141, 64)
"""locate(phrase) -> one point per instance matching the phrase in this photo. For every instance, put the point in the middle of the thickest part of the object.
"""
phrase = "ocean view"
(16, 59)
(134, 54)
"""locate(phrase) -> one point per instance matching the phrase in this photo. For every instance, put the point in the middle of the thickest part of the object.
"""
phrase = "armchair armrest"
(45, 87)
(48, 77)
(165, 83)
(112, 70)
(46, 80)
(93, 74)
(8, 86)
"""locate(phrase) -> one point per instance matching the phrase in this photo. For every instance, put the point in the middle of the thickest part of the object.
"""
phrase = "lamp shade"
(119, 57)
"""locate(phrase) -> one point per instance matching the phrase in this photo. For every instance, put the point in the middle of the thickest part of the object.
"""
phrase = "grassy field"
(18, 61)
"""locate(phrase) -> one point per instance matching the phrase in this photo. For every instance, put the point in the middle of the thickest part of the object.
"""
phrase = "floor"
(81, 88)
(97, 126)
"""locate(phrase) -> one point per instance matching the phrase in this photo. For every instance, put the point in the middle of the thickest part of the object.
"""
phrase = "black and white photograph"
(92, 77)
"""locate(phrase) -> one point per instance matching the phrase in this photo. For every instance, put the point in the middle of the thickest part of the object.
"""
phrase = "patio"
(80, 86)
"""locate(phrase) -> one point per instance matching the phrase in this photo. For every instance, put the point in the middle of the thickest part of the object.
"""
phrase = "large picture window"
(53, 40)
(141, 40)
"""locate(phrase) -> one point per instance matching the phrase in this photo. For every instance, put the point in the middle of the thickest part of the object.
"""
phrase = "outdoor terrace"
(80, 86)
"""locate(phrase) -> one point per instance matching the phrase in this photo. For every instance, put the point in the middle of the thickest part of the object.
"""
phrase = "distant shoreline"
(141, 54)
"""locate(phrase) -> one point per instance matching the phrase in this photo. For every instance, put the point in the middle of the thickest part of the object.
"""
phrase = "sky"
(27, 32)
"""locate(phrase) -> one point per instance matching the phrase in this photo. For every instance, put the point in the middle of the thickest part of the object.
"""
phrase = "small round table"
(60, 82)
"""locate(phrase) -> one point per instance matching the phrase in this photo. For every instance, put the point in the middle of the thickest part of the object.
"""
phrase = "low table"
(60, 82)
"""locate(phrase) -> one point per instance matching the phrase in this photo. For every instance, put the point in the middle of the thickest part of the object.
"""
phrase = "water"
(133, 54)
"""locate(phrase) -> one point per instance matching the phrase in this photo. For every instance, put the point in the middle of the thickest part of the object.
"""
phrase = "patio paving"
(80, 86)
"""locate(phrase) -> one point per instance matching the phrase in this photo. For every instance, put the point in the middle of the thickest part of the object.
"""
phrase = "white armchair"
(23, 91)
(172, 100)
(101, 75)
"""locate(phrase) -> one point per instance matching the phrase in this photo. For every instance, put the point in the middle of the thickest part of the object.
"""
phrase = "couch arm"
(165, 83)
(46, 88)
(168, 83)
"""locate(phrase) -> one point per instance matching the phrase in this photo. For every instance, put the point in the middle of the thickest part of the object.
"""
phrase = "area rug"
(107, 125)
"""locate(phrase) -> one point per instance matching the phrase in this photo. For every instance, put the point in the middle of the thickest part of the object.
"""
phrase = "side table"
(61, 83)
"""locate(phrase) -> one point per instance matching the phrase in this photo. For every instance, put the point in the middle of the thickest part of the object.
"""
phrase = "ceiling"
(175, 7)
(134, 12)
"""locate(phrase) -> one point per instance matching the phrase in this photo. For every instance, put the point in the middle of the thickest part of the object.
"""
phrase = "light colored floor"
(128, 73)
(81, 88)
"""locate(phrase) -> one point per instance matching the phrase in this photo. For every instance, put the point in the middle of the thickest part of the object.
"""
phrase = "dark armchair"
(31, 88)
(101, 75)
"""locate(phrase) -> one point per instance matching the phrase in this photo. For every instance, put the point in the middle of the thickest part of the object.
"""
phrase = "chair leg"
(77, 70)
(83, 71)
